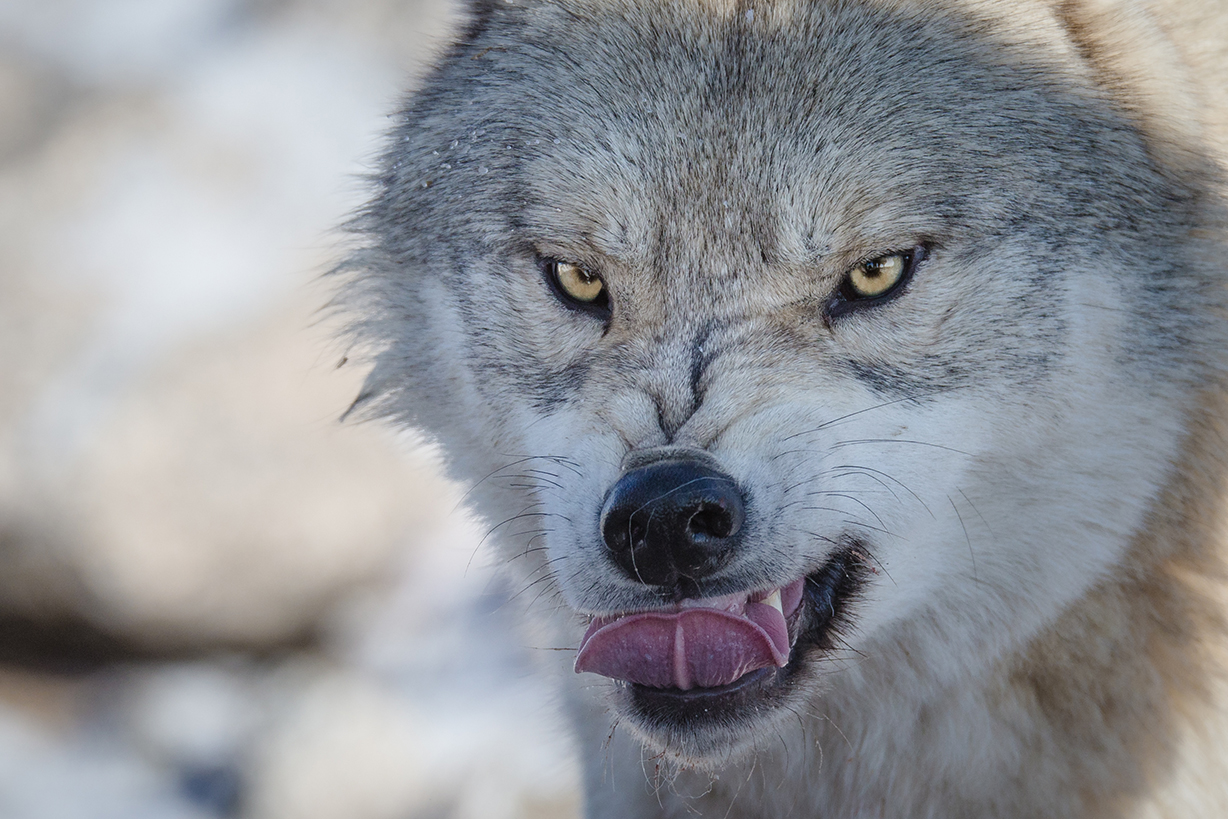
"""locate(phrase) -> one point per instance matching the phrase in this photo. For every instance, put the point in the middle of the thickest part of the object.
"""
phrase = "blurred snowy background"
(216, 600)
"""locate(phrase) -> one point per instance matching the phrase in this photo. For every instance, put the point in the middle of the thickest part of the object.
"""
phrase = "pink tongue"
(696, 647)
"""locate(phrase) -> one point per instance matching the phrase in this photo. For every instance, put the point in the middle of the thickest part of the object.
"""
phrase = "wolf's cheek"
(962, 323)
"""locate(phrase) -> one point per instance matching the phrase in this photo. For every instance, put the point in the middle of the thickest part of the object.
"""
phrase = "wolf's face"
(787, 345)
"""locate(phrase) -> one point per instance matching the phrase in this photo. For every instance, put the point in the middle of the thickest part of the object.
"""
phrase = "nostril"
(713, 520)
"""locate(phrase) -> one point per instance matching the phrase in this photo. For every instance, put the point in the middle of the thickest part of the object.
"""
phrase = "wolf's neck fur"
(1093, 713)
(1118, 680)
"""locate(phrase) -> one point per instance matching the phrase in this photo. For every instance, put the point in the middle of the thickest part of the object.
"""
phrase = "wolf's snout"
(671, 520)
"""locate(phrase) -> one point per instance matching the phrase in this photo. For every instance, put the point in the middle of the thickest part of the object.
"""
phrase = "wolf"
(843, 382)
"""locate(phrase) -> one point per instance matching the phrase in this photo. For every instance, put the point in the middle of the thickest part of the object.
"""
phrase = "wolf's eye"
(871, 279)
(578, 285)
(875, 280)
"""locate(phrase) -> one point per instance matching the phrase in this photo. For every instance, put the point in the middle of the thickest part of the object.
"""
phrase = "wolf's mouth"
(705, 643)
(710, 658)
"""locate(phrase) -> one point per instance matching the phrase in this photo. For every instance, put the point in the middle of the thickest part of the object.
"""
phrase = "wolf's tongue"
(695, 647)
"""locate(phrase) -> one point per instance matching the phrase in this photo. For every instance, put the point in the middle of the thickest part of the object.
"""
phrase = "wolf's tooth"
(773, 600)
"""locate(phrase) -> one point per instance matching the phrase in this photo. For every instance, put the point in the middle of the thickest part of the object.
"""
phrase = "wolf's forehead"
(746, 140)
(694, 197)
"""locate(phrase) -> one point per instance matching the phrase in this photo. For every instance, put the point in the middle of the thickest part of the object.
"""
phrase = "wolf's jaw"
(677, 706)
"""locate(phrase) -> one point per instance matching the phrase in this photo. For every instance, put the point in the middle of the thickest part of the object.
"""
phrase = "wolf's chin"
(705, 727)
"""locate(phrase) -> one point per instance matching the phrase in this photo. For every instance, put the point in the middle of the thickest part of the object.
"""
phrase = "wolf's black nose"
(672, 519)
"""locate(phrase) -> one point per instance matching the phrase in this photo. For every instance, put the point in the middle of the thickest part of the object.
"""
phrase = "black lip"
(827, 595)
(825, 601)
(673, 708)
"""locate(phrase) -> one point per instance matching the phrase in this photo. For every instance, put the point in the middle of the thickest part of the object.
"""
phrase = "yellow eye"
(877, 276)
(577, 283)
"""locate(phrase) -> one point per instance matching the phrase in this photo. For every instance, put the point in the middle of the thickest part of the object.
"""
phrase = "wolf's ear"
(1134, 57)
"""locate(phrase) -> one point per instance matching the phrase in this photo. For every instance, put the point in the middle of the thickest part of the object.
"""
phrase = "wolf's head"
(791, 345)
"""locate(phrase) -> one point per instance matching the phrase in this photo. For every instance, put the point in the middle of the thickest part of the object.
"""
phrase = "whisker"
(522, 516)
(554, 475)
(971, 554)
(834, 421)
(536, 476)
(875, 478)
(824, 538)
(527, 586)
(823, 509)
(797, 452)
(978, 513)
(872, 528)
(893, 480)
(539, 481)
(491, 474)
(524, 513)
(858, 441)
(855, 500)
(528, 552)
(544, 591)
